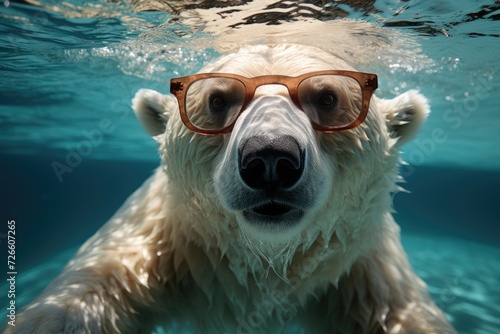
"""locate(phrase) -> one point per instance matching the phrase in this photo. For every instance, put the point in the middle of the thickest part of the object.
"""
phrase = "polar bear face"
(271, 173)
(273, 168)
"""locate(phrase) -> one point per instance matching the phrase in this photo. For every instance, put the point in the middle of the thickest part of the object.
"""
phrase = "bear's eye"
(326, 99)
(217, 103)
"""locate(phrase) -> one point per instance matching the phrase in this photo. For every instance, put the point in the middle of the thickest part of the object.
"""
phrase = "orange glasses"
(210, 103)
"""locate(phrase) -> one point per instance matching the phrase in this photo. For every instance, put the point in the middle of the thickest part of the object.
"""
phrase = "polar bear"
(270, 212)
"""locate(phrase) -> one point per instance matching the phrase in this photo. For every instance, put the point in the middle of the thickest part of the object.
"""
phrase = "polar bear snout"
(271, 164)
(271, 174)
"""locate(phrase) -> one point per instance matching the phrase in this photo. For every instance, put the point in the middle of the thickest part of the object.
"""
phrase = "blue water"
(67, 67)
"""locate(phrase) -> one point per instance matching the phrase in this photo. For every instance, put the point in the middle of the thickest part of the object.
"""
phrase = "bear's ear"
(405, 115)
(153, 110)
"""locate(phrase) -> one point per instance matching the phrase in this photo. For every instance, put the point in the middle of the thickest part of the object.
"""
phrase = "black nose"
(269, 164)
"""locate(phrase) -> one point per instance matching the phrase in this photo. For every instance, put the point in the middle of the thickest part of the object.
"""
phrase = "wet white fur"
(175, 253)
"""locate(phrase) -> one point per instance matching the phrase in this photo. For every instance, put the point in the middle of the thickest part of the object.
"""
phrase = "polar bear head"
(285, 142)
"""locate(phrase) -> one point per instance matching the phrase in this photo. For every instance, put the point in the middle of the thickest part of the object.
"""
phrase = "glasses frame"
(179, 86)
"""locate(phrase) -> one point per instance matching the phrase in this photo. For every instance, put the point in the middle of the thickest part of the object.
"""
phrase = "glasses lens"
(214, 103)
(332, 101)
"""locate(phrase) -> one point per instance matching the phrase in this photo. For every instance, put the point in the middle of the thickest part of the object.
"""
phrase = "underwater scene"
(72, 150)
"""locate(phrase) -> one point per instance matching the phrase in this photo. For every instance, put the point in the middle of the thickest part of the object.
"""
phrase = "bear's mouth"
(272, 209)
(273, 213)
